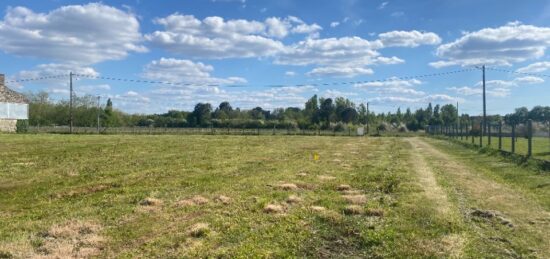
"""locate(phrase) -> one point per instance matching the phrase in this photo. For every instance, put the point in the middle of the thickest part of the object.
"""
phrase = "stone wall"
(8, 125)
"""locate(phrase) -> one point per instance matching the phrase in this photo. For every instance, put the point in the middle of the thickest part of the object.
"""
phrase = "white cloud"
(408, 38)
(213, 37)
(83, 34)
(535, 67)
(330, 51)
(511, 43)
(496, 88)
(334, 24)
(290, 73)
(437, 98)
(469, 91)
(331, 93)
(529, 80)
(186, 71)
(340, 71)
(392, 82)
(383, 5)
(53, 69)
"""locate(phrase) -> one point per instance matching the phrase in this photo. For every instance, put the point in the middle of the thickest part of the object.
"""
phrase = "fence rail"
(528, 139)
(191, 131)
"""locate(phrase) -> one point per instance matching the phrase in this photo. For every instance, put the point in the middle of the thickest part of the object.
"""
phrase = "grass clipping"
(73, 239)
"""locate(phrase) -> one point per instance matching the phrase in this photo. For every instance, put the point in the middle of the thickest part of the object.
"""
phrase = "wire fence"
(530, 139)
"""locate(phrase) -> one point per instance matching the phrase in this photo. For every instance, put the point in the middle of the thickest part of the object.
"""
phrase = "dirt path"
(493, 200)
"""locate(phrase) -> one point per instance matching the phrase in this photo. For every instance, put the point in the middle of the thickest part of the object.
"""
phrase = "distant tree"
(201, 115)
(449, 114)
(326, 110)
(311, 110)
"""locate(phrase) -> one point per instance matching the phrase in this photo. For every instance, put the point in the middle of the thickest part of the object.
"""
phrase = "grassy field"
(541, 146)
(264, 196)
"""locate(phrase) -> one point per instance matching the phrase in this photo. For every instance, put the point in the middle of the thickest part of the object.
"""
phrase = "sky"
(279, 53)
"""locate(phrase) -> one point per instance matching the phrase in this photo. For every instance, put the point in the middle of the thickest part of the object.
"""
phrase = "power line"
(389, 79)
(515, 72)
(37, 79)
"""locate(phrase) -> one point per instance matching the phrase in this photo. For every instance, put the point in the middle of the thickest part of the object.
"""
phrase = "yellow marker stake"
(315, 156)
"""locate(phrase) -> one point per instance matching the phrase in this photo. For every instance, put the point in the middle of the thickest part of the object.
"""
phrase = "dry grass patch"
(326, 177)
(223, 199)
(318, 208)
(301, 174)
(351, 192)
(274, 208)
(353, 210)
(288, 186)
(195, 200)
(73, 239)
(199, 230)
(292, 199)
(355, 199)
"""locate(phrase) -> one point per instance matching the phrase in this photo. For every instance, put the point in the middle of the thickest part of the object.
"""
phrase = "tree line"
(318, 113)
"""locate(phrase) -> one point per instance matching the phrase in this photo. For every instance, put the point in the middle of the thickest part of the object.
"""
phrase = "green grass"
(541, 146)
(49, 182)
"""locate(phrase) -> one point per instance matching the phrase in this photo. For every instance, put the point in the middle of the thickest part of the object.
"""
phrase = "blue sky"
(214, 45)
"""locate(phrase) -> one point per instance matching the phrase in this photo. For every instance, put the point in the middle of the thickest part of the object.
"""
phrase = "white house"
(13, 106)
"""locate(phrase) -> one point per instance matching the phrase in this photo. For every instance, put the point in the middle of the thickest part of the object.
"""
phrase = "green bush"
(22, 126)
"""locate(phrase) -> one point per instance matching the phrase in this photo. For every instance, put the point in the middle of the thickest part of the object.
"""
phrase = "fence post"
(489, 134)
(471, 133)
(513, 138)
(481, 134)
(461, 127)
(530, 137)
(500, 136)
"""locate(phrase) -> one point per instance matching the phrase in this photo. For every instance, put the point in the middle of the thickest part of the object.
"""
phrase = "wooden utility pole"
(98, 109)
(484, 104)
(367, 118)
(71, 102)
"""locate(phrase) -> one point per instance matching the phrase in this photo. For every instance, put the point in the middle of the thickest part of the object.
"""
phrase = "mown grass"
(129, 191)
(541, 146)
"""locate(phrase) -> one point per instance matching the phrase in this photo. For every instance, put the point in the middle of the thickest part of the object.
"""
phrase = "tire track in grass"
(452, 243)
(485, 202)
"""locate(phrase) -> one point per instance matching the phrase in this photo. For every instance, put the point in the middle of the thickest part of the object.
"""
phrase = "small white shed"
(13, 106)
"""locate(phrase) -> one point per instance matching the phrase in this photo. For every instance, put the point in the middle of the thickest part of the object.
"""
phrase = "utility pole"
(484, 104)
(71, 103)
(98, 109)
(367, 118)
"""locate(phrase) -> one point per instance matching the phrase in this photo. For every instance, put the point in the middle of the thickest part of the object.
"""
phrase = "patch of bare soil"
(353, 210)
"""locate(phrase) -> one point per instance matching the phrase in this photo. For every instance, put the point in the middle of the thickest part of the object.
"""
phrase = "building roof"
(10, 96)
